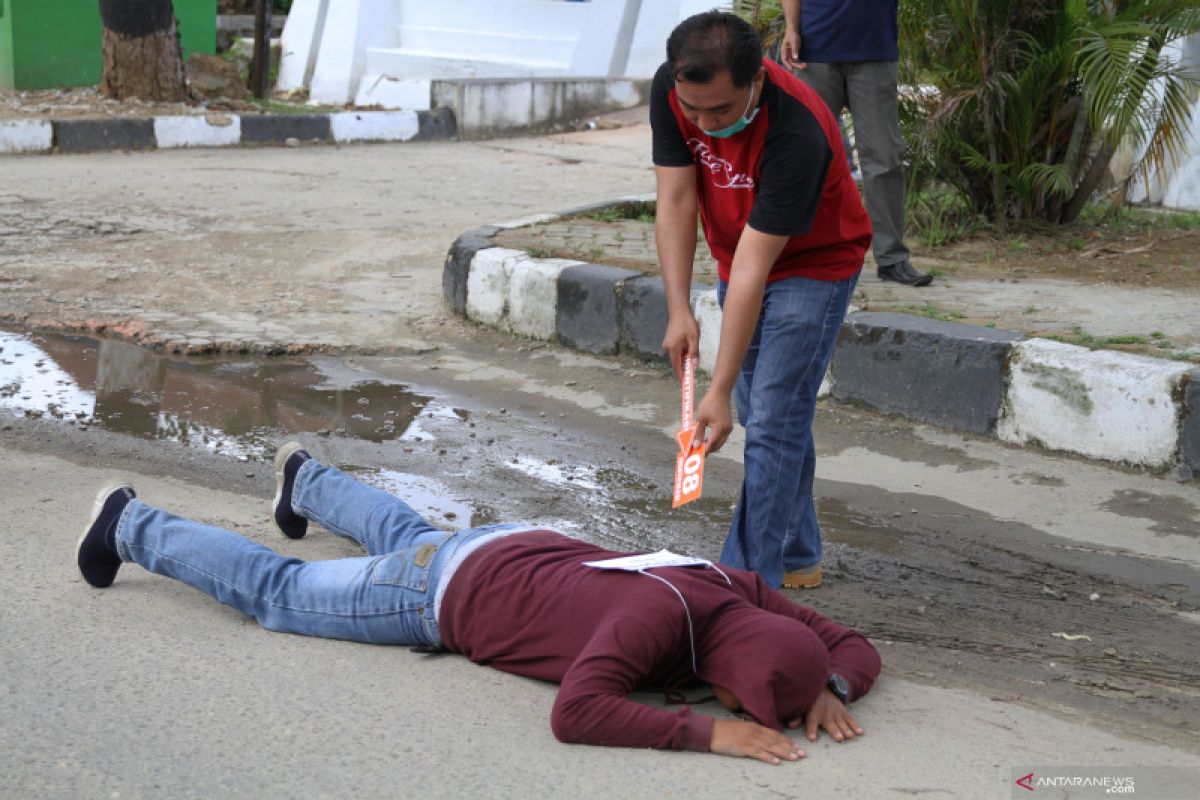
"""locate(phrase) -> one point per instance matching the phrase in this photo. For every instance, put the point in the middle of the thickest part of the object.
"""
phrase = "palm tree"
(1024, 102)
(1032, 98)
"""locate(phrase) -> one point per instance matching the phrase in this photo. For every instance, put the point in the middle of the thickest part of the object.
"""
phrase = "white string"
(687, 611)
(723, 575)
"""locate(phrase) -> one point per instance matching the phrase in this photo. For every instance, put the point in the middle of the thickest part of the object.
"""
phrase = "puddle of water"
(840, 524)
(234, 406)
(554, 473)
(1169, 513)
(431, 499)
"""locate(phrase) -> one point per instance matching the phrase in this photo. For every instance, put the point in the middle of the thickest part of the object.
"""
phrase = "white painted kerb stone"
(196, 131)
(1101, 404)
(533, 296)
(26, 136)
(708, 316)
(376, 126)
(487, 284)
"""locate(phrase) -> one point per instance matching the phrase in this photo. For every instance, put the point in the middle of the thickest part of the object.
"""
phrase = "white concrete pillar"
(356, 26)
(299, 44)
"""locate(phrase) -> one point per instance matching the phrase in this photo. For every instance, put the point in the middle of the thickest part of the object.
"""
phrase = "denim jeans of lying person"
(389, 596)
(774, 528)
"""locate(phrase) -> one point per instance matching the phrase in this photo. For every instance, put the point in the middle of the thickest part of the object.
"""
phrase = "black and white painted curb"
(1101, 404)
(222, 130)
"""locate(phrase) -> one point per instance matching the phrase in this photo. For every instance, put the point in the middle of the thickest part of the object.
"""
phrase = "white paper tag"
(663, 558)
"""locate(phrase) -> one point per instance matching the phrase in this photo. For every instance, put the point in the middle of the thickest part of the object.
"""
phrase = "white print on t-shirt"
(723, 175)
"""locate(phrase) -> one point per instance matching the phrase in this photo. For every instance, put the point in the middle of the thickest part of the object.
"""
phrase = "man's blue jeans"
(775, 527)
(387, 597)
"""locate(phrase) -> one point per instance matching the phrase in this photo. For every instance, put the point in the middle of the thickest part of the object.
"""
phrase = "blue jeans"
(774, 528)
(387, 597)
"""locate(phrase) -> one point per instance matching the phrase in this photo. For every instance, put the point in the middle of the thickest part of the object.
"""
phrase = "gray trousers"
(868, 89)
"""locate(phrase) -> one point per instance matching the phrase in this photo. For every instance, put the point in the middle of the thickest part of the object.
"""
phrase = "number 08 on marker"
(689, 462)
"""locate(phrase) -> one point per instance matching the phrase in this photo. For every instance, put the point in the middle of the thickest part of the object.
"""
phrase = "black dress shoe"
(903, 272)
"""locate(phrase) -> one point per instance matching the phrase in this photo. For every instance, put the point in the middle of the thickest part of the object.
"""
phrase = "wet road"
(1037, 580)
(1030, 608)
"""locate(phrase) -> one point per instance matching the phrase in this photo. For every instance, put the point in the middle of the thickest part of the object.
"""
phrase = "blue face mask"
(738, 126)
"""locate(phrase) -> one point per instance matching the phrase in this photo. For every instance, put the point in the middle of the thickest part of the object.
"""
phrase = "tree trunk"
(1091, 182)
(142, 56)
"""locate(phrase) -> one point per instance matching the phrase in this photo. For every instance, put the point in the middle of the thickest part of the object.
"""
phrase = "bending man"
(758, 156)
(521, 599)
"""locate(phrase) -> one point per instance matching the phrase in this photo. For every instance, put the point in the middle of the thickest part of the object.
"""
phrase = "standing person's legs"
(874, 107)
(828, 81)
(774, 527)
(379, 599)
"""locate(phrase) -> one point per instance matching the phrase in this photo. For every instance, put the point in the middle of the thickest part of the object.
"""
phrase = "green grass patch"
(932, 312)
(269, 106)
(939, 215)
(638, 211)
(1125, 220)
(1084, 339)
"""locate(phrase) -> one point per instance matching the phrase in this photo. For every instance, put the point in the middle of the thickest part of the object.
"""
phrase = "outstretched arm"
(850, 654)
(593, 706)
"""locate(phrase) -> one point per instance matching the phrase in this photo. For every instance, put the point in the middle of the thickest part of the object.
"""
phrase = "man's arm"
(752, 261)
(850, 654)
(790, 50)
(675, 235)
(593, 706)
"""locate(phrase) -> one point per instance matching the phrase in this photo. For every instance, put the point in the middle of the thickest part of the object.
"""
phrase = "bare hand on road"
(742, 739)
(830, 714)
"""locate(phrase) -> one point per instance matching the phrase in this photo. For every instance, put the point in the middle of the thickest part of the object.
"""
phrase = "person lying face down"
(524, 599)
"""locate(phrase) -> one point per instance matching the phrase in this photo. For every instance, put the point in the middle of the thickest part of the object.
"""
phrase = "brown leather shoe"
(807, 578)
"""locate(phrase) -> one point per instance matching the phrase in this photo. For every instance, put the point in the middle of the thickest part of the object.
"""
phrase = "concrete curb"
(222, 130)
(1101, 404)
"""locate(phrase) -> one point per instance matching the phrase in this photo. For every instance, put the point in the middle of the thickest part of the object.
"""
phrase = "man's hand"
(714, 412)
(829, 713)
(789, 51)
(682, 340)
(741, 739)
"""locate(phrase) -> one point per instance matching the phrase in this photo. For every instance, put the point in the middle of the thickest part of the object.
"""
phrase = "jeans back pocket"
(407, 568)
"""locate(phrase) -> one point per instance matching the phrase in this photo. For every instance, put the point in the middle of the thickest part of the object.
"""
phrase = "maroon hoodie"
(526, 604)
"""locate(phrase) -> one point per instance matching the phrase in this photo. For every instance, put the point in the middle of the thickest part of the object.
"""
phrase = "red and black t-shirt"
(785, 174)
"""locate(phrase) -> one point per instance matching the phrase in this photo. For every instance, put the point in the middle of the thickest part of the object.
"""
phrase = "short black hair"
(704, 44)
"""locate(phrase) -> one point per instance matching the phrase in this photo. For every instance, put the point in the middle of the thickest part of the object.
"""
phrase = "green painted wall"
(6, 76)
(49, 44)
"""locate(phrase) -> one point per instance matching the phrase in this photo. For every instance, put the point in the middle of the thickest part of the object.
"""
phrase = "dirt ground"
(1140, 251)
(1162, 258)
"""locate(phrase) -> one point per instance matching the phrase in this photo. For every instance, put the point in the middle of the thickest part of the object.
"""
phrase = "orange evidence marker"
(689, 462)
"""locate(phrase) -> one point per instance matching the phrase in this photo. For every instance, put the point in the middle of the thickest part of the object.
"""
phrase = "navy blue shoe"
(96, 553)
(288, 461)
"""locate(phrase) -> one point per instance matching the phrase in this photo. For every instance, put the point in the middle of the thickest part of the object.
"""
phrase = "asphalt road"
(960, 557)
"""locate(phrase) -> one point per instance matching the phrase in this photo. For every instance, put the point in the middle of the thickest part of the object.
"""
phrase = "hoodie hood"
(766, 660)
